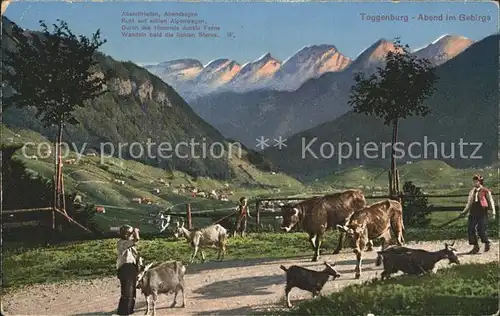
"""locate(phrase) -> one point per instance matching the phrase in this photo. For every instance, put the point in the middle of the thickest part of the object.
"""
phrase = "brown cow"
(373, 222)
(317, 214)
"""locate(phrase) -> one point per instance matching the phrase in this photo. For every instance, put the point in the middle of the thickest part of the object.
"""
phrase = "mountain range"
(270, 113)
(193, 80)
(138, 106)
(464, 109)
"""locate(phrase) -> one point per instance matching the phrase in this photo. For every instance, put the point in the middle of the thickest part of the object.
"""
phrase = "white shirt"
(474, 197)
(126, 252)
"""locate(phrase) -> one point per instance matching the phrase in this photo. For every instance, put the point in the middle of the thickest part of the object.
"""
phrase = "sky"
(259, 27)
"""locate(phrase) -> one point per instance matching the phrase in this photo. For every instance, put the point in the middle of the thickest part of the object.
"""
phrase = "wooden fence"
(40, 214)
(43, 215)
(271, 213)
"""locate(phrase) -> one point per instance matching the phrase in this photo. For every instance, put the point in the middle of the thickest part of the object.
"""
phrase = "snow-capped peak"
(266, 56)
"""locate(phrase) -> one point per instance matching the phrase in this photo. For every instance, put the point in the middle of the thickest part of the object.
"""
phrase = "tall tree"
(395, 92)
(55, 71)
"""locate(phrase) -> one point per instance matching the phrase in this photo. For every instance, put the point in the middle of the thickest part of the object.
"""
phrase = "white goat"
(164, 222)
(213, 236)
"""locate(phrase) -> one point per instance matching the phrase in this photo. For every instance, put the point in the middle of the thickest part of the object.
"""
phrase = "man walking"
(479, 201)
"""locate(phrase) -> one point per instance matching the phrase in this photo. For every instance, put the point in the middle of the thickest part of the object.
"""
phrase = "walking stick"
(451, 221)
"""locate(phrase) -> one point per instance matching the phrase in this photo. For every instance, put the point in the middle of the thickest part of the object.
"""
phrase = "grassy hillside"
(433, 176)
(95, 182)
(464, 107)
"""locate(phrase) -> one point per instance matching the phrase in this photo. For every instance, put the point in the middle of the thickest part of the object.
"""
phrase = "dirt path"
(219, 288)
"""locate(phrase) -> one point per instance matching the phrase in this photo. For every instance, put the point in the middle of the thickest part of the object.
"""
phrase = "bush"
(20, 188)
(23, 190)
(84, 216)
(415, 207)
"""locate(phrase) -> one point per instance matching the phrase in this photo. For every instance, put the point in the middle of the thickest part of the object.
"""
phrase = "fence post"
(398, 188)
(257, 217)
(391, 187)
(188, 211)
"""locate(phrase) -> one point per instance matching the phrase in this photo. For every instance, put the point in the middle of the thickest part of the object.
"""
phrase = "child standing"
(243, 213)
(127, 265)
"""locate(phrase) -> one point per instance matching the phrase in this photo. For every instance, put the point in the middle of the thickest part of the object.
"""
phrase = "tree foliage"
(20, 188)
(23, 190)
(397, 90)
(114, 117)
(53, 71)
(415, 206)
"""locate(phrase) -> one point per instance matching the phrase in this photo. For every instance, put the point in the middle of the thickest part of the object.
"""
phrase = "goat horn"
(451, 245)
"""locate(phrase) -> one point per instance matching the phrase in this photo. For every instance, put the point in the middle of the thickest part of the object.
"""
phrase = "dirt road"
(214, 288)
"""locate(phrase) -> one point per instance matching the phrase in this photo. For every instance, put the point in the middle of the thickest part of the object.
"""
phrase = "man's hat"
(478, 177)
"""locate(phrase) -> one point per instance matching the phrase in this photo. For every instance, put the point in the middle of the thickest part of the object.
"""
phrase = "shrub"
(415, 207)
(84, 216)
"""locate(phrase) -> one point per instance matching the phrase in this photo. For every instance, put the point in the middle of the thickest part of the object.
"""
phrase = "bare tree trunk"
(56, 168)
(57, 193)
(59, 169)
(394, 182)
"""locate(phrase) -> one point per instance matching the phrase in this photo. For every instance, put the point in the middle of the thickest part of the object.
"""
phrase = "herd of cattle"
(346, 211)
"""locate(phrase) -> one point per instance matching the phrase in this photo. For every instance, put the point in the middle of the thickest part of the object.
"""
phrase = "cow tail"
(403, 230)
(401, 219)
(282, 267)
(397, 218)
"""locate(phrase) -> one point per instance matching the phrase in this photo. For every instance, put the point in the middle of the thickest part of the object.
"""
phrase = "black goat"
(308, 280)
(413, 261)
